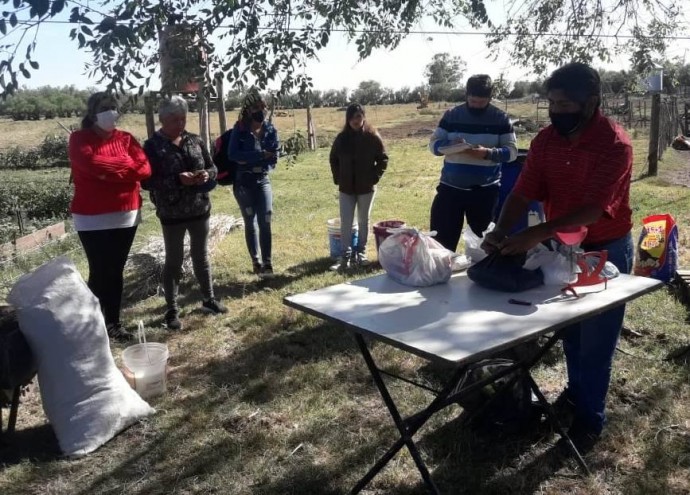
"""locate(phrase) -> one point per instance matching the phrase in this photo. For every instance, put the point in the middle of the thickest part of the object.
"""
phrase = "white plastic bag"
(557, 267)
(554, 265)
(414, 258)
(472, 243)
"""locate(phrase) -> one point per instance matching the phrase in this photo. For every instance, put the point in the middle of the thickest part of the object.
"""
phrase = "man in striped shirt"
(580, 167)
(470, 178)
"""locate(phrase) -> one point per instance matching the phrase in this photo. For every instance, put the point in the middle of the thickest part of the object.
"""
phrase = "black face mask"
(566, 123)
(259, 116)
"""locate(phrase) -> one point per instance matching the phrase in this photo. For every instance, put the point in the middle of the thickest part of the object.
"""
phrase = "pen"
(520, 302)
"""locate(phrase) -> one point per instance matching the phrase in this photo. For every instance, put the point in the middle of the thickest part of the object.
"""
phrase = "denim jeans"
(348, 202)
(255, 199)
(173, 237)
(589, 346)
(450, 207)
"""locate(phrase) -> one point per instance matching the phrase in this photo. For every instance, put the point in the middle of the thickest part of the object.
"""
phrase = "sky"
(338, 65)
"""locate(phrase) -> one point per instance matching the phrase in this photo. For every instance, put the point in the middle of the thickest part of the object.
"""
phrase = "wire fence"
(19, 263)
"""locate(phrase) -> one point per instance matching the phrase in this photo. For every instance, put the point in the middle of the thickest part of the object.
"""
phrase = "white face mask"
(106, 120)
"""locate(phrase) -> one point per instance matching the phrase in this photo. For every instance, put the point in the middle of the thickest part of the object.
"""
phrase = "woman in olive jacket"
(358, 160)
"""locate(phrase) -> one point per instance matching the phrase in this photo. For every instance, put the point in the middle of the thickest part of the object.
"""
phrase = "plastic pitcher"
(145, 368)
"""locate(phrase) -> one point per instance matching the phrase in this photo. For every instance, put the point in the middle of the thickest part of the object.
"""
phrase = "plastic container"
(334, 242)
(381, 230)
(146, 368)
(509, 176)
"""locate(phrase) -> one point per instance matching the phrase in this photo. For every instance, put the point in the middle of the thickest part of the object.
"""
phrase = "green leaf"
(86, 30)
(3, 26)
(13, 19)
(56, 7)
(34, 64)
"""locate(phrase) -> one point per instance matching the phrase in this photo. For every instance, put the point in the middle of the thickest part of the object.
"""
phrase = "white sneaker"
(342, 264)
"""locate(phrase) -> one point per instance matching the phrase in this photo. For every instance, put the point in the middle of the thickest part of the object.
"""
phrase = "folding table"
(457, 323)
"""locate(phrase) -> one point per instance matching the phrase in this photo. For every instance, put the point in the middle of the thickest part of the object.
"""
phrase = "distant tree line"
(45, 102)
(443, 82)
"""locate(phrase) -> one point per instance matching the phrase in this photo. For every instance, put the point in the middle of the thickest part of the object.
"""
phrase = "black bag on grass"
(17, 363)
(495, 404)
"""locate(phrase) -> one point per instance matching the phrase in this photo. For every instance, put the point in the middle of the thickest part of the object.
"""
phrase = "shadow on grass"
(665, 450)
(36, 444)
(190, 296)
(260, 369)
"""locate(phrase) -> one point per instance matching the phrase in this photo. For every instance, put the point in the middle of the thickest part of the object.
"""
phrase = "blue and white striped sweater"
(492, 129)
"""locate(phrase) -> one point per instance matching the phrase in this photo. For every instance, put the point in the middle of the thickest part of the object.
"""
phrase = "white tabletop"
(459, 321)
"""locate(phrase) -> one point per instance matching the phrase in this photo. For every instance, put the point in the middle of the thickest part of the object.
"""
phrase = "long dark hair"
(252, 98)
(351, 110)
(92, 109)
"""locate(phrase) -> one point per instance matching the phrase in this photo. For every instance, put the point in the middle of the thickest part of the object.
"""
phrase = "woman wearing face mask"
(254, 146)
(358, 160)
(183, 173)
(107, 166)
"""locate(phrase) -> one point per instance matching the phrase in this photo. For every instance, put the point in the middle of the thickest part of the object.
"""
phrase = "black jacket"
(358, 160)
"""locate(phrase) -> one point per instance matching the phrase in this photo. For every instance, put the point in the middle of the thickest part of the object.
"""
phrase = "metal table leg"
(405, 433)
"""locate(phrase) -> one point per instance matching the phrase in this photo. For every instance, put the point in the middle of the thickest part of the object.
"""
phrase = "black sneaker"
(267, 272)
(116, 331)
(564, 407)
(172, 320)
(583, 438)
(257, 268)
(361, 260)
(213, 307)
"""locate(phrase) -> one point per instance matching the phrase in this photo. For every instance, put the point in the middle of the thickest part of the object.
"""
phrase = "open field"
(267, 400)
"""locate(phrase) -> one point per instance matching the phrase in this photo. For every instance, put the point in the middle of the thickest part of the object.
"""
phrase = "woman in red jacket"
(107, 166)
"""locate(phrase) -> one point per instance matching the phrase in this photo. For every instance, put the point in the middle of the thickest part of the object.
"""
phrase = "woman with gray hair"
(183, 173)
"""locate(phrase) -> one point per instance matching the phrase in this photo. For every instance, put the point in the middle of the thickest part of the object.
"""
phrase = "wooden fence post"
(653, 153)
(203, 116)
(221, 105)
(311, 133)
(149, 101)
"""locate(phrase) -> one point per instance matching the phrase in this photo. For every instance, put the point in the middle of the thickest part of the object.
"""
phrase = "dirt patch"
(407, 129)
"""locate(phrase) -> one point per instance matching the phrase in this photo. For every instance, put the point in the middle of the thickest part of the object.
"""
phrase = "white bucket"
(146, 367)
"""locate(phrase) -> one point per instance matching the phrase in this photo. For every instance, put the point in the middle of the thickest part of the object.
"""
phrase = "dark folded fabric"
(505, 273)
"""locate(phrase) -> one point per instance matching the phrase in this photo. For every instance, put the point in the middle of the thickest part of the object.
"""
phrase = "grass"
(267, 400)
